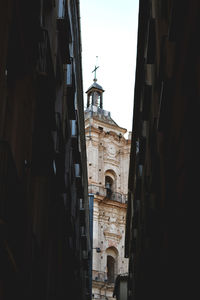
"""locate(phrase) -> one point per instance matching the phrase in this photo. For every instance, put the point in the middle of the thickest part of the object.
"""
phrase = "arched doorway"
(111, 264)
(110, 269)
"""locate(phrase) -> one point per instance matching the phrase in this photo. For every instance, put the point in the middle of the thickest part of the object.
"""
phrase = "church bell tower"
(108, 164)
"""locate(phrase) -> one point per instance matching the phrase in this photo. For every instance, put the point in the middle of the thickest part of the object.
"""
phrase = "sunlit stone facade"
(108, 165)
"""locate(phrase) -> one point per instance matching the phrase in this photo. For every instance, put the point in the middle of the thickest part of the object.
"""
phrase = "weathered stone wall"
(107, 155)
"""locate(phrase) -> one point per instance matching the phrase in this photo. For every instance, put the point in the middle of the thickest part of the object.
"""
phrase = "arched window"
(109, 186)
(110, 183)
(89, 100)
(97, 99)
(110, 269)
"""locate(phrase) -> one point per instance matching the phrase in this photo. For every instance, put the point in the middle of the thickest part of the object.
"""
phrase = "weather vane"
(95, 69)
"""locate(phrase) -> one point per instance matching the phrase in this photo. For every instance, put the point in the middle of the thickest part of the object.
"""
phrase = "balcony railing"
(99, 190)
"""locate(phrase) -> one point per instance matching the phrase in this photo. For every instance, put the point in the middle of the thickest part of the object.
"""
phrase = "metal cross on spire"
(95, 69)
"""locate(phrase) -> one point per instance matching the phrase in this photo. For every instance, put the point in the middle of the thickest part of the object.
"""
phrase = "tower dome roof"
(95, 86)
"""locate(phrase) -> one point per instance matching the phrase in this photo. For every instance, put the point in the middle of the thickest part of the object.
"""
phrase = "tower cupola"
(95, 93)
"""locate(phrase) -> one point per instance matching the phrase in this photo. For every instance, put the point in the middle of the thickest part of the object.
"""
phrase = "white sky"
(109, 31)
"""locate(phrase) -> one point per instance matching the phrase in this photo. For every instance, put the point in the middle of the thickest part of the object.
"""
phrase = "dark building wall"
(44, 235)
(162, 218)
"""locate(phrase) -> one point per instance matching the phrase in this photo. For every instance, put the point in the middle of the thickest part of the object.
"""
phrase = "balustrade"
(99, 190)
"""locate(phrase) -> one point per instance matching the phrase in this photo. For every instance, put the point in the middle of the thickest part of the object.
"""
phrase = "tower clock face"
(111, 149)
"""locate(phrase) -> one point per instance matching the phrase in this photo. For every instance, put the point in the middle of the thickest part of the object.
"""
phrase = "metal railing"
(99, 190)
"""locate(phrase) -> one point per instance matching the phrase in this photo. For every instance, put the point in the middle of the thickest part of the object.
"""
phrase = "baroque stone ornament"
(111, 149)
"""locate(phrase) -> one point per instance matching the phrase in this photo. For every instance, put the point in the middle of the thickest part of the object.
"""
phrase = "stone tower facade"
(108, 165)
